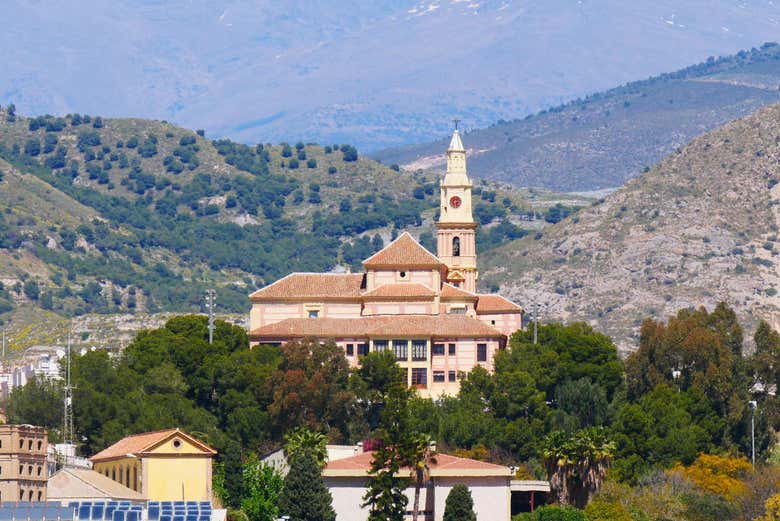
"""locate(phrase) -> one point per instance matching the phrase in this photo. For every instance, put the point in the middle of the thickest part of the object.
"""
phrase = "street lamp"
(753, 406)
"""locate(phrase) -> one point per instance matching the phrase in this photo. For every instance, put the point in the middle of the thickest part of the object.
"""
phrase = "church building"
(423, 307)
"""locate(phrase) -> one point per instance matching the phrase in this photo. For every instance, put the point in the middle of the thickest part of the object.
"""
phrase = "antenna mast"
(67, 419)
(211, 296)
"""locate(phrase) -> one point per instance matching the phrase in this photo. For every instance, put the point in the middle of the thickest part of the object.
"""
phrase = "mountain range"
(374, 74)
(606, 138)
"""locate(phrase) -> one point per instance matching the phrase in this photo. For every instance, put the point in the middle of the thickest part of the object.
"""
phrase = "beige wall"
(264, 313)
(507, 323)
(491, 497)
(400, 308)
(376, 278)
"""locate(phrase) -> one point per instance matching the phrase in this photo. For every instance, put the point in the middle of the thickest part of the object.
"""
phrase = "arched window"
(30, 495)
(456, 246)
(135, 478)
(40, 495)
(127, 477)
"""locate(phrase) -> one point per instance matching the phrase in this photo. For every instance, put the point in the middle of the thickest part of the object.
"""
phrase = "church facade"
(422, 307)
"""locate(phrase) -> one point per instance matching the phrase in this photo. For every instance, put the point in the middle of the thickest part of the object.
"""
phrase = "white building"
(489, 484)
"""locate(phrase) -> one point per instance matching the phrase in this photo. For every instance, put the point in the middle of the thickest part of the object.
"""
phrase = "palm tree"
(421, 455)
(577, 464)
(301, 440)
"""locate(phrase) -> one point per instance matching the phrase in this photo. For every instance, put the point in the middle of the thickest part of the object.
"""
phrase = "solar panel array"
(34, 511)
(106, 511)
(179, 511)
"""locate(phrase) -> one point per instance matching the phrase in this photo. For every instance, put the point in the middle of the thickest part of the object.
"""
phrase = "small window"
(456, 284)
(21, 494)
(21, 470)
(113, 474)
(176, 444)
(39, 470)
(419, 377)
(30, 469)
(452, 349)
(492, 322)
(419, 350)
(481, 352)
(40, 444)
(40, 495)
(350, 349)
(402, 274)
(456, 246)
(21, 444)
(380, 345)
(135, 478)
(30, 495)
(313, 313)
(458, 310)
(362, 349)
(438, 376)
(451, 376)
(437, 350)
(29, 445)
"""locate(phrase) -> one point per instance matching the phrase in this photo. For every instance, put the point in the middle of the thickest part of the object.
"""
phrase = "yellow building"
(167, 465)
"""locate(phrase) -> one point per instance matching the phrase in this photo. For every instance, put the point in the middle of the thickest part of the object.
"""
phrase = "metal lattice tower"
(67, 417)
(211, 297)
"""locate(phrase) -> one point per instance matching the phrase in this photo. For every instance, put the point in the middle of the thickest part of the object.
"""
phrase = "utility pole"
(753, 406)
(536, 323)
(211, 297)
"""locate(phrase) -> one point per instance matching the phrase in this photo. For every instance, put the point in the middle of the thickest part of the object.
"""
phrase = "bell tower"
(456, 242)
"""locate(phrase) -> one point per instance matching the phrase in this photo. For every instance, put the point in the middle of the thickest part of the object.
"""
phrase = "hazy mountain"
(700, 227)
(375, 74)
(607, 138)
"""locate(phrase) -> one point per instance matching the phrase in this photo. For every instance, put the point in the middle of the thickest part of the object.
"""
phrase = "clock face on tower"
(455, 201)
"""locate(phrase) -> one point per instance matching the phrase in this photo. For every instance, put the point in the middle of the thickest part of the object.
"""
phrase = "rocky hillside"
(609, 137)
(698, 228)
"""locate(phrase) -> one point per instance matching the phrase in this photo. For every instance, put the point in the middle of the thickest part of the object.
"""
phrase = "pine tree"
(459, 506)
(305, 496)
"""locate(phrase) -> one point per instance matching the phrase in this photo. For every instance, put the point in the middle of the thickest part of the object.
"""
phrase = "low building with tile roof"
(489, 484)
(166, 465)
(423, 307)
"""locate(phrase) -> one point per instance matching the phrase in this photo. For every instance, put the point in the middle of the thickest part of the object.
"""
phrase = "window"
(451, 376)
(438, 349)
(135, 478)
(21, 495)
(492, 322)
(456, 246)
(39, 470)
(29, 445)
(350, 349)
(21, 470)
(452, 349)
(419, 350)
(113, 474)
(176, 444)
(459, 310)
(30, 495)
(40, 495)
(438, 376)
(380, 345)
(127, 478)
(419, 377)
(40, 443)
(402, 274)
(30, 469)
(21, 444)
(314, 313)
(400, 348)
(362, 349)
(481, 352)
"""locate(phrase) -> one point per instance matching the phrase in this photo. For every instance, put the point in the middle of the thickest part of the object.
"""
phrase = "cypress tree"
(459, 505)
(305, 496)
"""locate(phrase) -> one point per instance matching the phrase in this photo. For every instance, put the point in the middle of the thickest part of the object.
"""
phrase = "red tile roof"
(437, 326)
(404, 251)
(496, 304)
(313, 286)
(402, 290)
(142, 443)
(445, 465)
(450, 292)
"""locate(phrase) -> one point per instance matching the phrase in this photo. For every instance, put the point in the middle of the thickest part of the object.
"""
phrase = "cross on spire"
(456, 121)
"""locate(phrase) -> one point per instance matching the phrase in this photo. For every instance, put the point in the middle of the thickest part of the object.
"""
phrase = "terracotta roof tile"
(445, 465)
(313, 286)
(496, 304)
(404, 251)
(402, 290)
(140, 443)
(448, 291)
(438, 326)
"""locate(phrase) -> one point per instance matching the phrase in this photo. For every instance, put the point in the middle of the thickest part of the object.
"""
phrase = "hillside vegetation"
(125, 215)
(699, 228)
(605, 139)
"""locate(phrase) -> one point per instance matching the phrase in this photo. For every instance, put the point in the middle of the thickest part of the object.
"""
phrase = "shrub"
(311, 163)
(459, 505)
